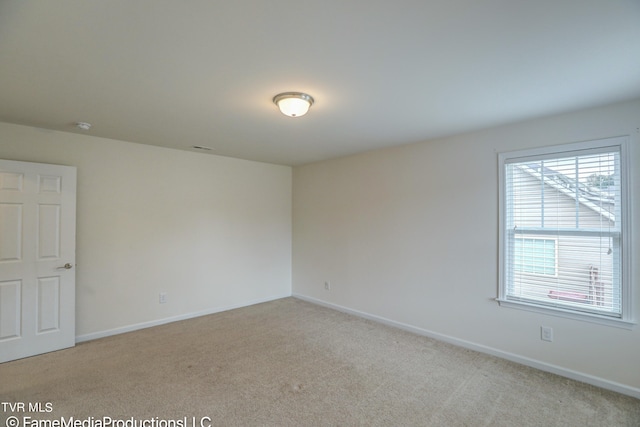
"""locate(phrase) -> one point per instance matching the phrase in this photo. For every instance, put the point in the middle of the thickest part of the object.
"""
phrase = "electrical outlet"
(162, 298)
(327, 286)
(546, 333)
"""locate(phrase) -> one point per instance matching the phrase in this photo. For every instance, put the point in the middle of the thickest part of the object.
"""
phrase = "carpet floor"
(292, 363)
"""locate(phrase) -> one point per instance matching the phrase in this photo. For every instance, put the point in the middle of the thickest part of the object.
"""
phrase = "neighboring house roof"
(601, 202)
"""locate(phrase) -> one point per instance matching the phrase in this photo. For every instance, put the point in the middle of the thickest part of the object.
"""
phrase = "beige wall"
(409, 235)
(211, 232)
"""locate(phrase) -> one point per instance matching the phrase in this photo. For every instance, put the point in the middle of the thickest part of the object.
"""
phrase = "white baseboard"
(568, 373)
(143, 325)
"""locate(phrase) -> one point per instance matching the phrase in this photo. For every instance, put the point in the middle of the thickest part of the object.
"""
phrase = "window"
(562, 230)
(535, 255)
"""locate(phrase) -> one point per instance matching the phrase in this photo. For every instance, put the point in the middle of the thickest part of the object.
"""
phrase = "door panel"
(48, 304)
(11, 181)
(10, 304)
(48, 231)
(37, 240)
(10, 232)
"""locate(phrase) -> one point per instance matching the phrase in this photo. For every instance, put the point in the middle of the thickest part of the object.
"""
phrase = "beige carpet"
(292, 363)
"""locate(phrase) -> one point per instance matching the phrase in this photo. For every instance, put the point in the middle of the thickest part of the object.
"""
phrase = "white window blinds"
(561, 218)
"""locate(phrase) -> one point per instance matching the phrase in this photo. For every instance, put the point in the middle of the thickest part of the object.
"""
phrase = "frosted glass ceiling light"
(293, 104)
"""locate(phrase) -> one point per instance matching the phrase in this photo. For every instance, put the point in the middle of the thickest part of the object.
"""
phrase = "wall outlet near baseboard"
(327, 285)
(162, 298)
(546, 333)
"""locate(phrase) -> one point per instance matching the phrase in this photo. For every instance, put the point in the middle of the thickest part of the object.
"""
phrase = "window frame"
(626, 319)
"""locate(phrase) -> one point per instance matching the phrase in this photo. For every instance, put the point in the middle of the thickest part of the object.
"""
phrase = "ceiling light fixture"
(83, 125)
(293, 104)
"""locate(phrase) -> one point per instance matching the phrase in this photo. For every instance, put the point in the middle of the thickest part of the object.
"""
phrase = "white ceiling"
(203, 72)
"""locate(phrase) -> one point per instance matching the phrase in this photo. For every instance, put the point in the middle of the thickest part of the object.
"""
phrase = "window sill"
(567, 314)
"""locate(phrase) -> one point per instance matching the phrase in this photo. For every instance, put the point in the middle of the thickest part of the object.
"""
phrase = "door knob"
(67, 266)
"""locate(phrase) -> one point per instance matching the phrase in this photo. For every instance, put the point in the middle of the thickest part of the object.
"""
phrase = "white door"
(37, 258)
